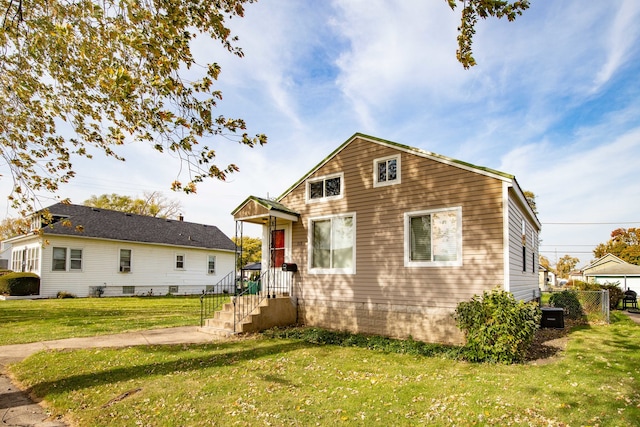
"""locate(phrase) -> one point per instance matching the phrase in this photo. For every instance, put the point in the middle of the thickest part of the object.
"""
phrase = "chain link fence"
(590, 305)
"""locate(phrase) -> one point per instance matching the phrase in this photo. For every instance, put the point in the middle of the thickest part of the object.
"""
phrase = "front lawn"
(282, 382)
(25, 321)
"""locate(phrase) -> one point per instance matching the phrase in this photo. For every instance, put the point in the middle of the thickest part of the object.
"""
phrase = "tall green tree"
(85, 76)
(544, 262)
(624, 243)
(251, 250)
(472, 10)
(565, 265)
(152, 203)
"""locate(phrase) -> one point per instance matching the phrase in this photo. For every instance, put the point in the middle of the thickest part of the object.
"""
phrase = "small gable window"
(386, 171)
(325, 188)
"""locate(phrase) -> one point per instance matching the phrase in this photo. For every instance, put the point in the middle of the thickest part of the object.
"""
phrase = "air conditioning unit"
(125, 269)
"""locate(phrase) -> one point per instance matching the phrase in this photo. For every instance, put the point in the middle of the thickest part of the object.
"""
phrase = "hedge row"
(20, 284)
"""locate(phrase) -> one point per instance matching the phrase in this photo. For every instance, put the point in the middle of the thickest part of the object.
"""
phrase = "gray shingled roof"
(116, 225)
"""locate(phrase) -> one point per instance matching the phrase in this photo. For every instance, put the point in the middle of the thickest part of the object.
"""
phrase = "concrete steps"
(271, 312)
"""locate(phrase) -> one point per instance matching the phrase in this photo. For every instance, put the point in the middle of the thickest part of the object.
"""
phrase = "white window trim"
(66, 259)
(324, 178)
(120, 260)
(407, 239)
(310, 246)
(398, 179)
(215, 262)
(81, 259)
(184, 261)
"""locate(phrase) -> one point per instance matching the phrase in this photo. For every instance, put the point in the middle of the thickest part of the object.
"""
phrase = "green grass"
(25, 321)
(286, 381)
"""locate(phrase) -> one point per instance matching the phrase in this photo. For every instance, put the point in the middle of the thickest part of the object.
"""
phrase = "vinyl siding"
(250, 210)
(382, 279)
(523, 284)
(152, 267)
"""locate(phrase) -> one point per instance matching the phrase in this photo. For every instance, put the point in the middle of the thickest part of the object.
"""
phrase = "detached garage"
(612, 269)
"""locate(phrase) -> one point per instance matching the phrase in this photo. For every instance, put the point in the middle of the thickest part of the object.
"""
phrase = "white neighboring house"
(86, 249)
(611, 269)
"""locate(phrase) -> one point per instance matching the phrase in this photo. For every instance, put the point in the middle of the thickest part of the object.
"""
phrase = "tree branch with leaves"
(85, 76)
(474, 9)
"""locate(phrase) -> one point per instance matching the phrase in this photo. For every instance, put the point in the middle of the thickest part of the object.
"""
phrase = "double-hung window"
(325, 188)
(59, 259)
(332, 244)
(179, 261)
(211, 264)
(75, 259)
(433, 238)
(125, 260)
(386, 171)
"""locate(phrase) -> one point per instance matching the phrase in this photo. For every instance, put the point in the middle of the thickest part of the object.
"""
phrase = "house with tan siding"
(88, 251)
(387, 239)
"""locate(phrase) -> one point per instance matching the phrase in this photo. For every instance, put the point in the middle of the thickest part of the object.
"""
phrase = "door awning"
(258, 211)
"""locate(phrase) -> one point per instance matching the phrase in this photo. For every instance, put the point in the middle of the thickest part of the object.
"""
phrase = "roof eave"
(408, 149)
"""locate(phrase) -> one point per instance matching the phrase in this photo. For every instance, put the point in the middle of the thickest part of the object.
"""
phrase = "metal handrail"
(213, 299)
(246, 297)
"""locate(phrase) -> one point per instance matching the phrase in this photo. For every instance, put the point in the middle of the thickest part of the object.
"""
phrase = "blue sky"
(554, 100)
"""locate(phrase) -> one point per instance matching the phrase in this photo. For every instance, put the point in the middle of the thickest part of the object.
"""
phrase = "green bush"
(579, 285)
(20, 284)
(568, 299)
(497, 328)
(615, 294)
(65, 294)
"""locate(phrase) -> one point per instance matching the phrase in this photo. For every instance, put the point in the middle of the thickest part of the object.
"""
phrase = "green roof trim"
(406, 148)
(270, 205)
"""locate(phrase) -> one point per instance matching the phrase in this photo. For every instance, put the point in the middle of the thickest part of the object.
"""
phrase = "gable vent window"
(386, 171)
(325, 188)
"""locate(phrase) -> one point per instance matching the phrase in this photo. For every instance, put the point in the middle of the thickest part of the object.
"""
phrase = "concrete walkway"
(18, 409)
(635, 316)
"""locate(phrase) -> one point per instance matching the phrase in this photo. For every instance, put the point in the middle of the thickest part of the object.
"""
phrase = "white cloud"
(554, 100)
(396, 49)
(623, 33)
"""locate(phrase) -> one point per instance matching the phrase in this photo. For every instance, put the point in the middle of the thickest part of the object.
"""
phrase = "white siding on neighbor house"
(522, 284)
(152, 267)
(629, 282)
(33, 243)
